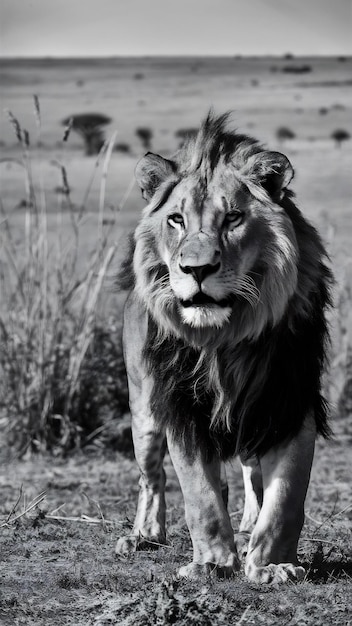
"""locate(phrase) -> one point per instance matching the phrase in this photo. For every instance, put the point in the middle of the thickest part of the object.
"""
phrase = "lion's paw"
(195, 570)
(127, 545)
(133, 543)
(275, 574)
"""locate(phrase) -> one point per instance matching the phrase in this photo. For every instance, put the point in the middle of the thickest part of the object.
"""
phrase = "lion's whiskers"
(245, 286)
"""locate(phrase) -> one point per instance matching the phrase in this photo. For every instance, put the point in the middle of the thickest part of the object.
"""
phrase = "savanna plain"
(68, 479)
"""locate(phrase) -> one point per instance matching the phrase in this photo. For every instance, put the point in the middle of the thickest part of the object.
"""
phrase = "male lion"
(224, 340)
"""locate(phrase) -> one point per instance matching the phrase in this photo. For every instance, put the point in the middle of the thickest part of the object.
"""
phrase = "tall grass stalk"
(48, 310)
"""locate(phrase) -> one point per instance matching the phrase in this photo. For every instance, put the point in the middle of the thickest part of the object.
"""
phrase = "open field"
(57, 566)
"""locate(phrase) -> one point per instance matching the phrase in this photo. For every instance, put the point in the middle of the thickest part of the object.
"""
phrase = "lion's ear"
(272, 170)
(151, 171)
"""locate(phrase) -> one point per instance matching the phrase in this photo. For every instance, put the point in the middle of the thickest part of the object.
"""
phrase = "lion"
(225, 340)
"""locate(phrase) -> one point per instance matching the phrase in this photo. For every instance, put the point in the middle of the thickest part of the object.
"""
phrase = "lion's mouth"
(202, 299)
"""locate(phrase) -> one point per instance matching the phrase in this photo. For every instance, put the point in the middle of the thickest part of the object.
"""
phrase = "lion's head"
(216, 245)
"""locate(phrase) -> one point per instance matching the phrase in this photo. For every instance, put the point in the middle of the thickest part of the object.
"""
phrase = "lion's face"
(214, 250)
(215, 244)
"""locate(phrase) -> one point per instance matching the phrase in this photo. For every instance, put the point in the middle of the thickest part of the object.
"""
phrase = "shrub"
(283, 133)
(122, 147)
(145, 135)
(297, 69)
(345, 400)
(339, 135)
(89, 126)
(60, 365)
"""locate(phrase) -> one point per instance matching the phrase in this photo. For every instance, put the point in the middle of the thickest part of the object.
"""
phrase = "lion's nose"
(200, 272)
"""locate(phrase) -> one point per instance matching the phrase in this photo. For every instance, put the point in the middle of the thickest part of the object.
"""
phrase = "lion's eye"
(175, 220)
(234, 218)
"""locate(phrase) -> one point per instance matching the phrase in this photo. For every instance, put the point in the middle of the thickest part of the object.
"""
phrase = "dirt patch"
(58, 564)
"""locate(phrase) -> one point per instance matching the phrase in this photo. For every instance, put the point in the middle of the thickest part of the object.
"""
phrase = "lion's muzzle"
(199, 266)
(200, 272)
(200, 255)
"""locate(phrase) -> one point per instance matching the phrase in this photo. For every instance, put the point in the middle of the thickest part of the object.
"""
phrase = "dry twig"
(32, 504)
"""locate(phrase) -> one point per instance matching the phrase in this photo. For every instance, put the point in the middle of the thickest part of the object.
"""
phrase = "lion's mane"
(248, 386)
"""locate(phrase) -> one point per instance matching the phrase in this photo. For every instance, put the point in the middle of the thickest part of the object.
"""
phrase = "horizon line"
(285, 55)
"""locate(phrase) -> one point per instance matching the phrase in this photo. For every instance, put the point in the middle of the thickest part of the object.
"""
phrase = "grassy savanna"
(60, 518)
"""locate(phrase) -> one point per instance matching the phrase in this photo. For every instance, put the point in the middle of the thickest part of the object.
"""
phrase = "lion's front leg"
(149, 525)
(253, 488)
(272, 550)
(149, 442)
(206, 515)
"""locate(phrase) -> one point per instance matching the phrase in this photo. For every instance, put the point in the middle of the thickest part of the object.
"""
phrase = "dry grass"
(49, 312)
(337, 380)
(12, 517)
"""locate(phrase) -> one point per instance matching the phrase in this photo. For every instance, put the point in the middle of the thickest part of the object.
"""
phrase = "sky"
(173, 27)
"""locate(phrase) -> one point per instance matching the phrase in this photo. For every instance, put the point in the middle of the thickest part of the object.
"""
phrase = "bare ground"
(64, 571)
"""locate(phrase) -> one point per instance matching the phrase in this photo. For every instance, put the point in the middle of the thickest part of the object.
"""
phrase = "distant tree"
(338, 107)
(145, 136)
(89, 126)
(284, 133)
(122, 147)
(297, 69)
(340, 135)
